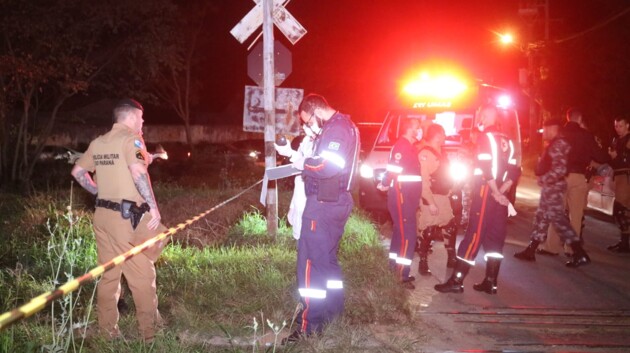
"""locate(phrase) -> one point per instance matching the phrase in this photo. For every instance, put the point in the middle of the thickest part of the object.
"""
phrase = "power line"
(597, 26)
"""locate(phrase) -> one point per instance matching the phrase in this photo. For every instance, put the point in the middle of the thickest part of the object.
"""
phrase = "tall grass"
(254, 274)
(65, 250)
(373, 293)
(251, 229)
(71, 252)
(208, 291)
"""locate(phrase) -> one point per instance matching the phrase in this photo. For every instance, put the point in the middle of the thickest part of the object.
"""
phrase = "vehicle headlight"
(366, 171)
(458, 171)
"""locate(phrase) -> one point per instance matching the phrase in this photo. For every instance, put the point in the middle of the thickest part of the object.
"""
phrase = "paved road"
(540, 307)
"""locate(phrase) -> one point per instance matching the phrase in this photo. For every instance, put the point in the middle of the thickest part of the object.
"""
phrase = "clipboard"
(282, 171)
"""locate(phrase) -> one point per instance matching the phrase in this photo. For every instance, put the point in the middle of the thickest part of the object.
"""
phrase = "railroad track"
(530, 329)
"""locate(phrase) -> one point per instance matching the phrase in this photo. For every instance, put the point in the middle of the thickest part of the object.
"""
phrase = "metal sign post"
(268, 12)
(270, 115)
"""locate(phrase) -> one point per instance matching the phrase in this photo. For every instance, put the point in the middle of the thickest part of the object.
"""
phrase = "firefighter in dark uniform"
(436, 213)
(403, 184)
(619, 151)
(494, 174)
(126, 215)
(328, 177)
(552, 170)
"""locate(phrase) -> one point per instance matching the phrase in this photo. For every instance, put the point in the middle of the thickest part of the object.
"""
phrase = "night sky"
(354, 55)
(355, 52)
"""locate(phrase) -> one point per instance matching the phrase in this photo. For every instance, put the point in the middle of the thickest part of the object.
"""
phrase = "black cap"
(128, 102)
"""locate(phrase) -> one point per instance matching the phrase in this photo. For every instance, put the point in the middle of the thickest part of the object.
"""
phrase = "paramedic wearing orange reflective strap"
(328, 177)
(494, 172)
(403, 183)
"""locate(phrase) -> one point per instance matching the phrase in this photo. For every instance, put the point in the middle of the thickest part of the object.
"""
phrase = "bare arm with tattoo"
(142, 181)
(84, 179)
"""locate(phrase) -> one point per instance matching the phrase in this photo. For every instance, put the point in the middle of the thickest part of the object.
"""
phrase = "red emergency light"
(437, 89)
(442, 87)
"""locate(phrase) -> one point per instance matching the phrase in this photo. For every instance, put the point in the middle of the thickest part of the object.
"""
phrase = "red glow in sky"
(356, 52)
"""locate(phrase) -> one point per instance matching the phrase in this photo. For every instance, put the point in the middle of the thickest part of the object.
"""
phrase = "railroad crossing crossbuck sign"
(282, 18)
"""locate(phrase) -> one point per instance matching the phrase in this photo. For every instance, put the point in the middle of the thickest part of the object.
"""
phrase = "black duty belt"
(622, 172)
(111, 205)
(128, 209)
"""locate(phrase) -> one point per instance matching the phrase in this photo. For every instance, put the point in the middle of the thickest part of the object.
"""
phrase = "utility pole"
(270, 115)
(532, 11)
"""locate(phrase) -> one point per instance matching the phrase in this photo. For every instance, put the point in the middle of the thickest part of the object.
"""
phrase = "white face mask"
(313, 130)
(480, 127)
(308, 131)
(419, 135)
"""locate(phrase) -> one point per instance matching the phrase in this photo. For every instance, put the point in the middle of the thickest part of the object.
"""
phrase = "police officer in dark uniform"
(551, 170)
(494, 174)
(619, 151)
(328, 177)
(402, 181)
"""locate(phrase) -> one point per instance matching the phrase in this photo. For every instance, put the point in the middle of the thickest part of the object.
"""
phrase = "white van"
(458, 123)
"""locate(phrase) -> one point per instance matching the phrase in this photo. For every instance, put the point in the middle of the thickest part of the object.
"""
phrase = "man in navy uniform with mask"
(328, 177)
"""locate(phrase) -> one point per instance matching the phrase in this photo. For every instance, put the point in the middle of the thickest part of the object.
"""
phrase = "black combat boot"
(529, 254)
(450, 235)
(455, 284)
(423, 250)
(619, 214)
(580, 257)
(489, 284)
(623, 246)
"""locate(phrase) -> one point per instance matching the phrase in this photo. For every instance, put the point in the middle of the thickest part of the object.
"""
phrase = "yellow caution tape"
(38, 303)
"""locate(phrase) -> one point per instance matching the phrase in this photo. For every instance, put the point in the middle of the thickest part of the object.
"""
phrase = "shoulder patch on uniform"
(334, 146)
(137, 143)
(140, 155)
(504, 145)
(397, 156)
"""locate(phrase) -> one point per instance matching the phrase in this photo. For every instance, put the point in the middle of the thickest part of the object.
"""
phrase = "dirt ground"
(441, 333)
(540, 307)
(513, 320)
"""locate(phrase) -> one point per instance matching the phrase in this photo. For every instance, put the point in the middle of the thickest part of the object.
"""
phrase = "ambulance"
(451, 101)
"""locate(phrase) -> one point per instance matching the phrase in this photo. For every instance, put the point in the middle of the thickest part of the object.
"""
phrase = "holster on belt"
(129, 210)
(134, 213)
